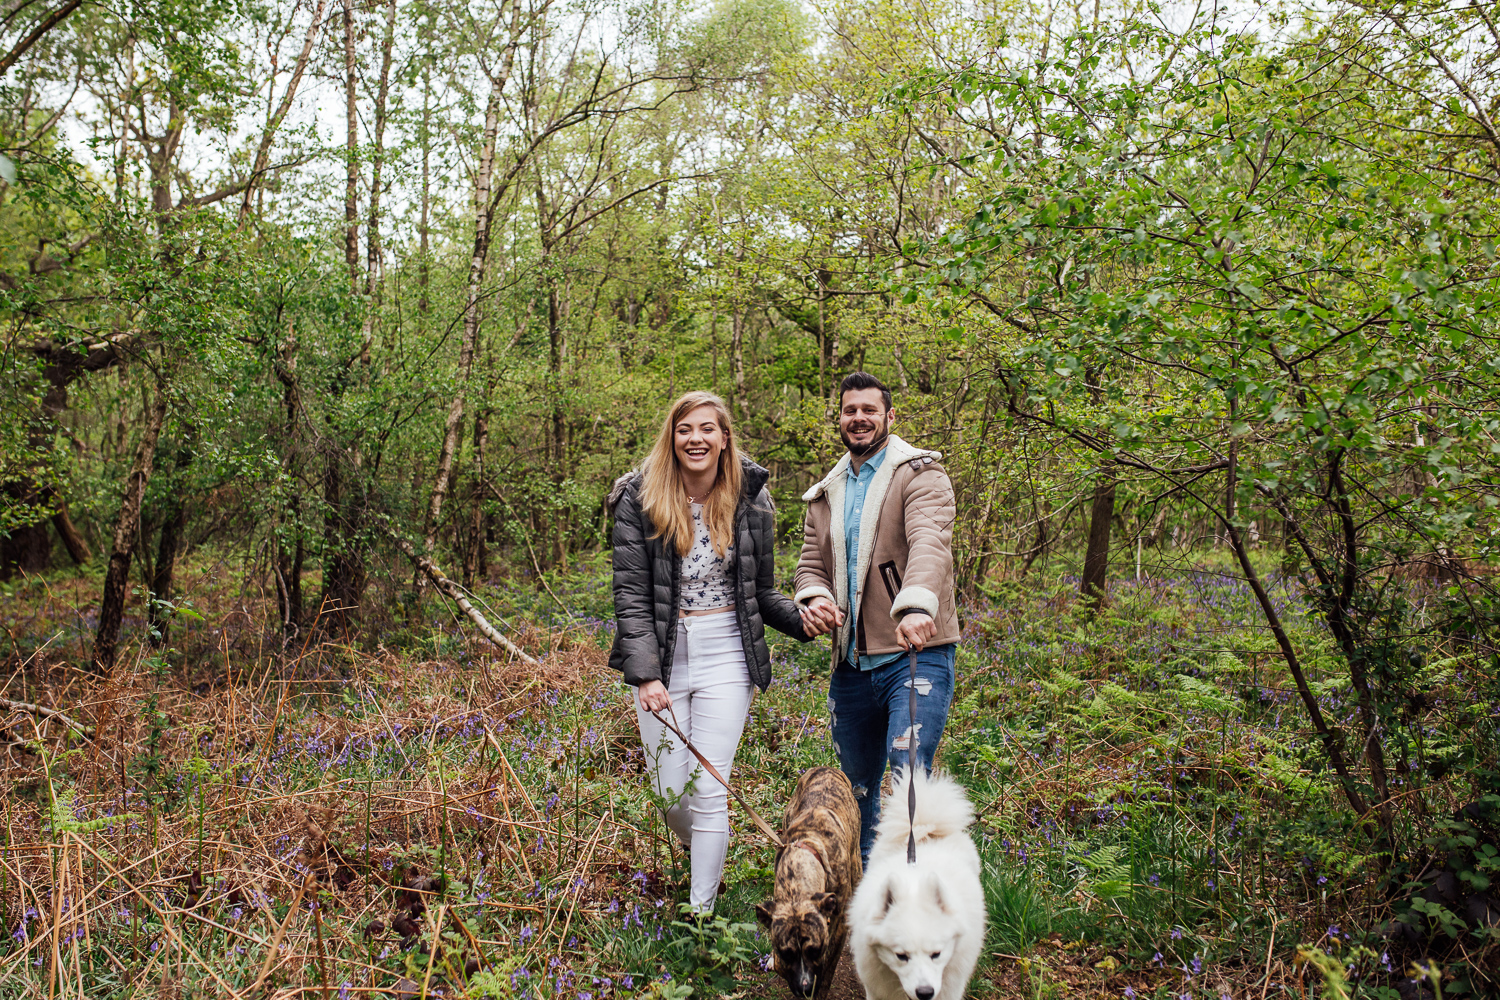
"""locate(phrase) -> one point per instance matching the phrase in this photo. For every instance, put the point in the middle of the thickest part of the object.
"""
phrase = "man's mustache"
(881, 432)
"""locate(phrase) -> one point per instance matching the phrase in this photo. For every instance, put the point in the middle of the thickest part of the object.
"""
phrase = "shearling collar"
(896, 452)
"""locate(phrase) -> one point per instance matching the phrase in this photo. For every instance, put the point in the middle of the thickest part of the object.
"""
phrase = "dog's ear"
(937, 893)
(828, 904)
(890, 900)
(763, 914)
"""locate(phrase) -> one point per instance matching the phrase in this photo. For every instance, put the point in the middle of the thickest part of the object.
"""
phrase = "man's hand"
(654, 697)
(915, 629)
(821, 616)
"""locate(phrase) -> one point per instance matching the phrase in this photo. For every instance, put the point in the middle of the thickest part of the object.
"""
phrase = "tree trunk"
(424, 265)
(478, 260)
(351, 152)
(290, 551)
(456, 594)
(475, 562)
(27, 549)
(263, 151)
(112, 603)
(78, 549)
(737, 356)
(1289, 555)
(289, 575)
(1096, 558)
(344, 574)
(557, 432)
(173, 524)
(373, 259)
(1345, 629)
(344, 571)
(1037, 549)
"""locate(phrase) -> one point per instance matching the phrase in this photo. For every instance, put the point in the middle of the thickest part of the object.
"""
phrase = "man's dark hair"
(863, 380)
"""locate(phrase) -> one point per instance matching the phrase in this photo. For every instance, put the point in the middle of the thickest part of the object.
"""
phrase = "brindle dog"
(816, 873)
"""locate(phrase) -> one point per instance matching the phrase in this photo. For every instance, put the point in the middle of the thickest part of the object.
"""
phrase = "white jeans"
(711, 695)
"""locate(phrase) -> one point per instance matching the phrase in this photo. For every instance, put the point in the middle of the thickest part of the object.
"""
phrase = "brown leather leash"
(755, 817)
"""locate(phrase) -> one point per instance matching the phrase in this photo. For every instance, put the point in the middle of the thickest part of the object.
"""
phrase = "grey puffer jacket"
(648, 577)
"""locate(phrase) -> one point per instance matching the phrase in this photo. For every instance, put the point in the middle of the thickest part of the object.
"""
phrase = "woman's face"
(698, 440)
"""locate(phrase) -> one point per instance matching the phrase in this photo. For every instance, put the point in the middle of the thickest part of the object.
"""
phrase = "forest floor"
(249, 817)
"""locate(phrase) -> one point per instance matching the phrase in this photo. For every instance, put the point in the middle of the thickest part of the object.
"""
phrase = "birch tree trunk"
(478, 260)
(263, 150)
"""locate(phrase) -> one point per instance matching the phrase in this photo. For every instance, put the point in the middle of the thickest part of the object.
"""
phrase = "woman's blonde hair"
(664, 500)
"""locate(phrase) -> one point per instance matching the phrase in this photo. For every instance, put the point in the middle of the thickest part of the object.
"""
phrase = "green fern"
(1224, 663)
(1287, 774)
(61, 818)
(1201, 696)
(1108, 873)
(1061, 683)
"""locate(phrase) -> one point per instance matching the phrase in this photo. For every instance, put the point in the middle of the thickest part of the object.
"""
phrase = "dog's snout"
(924, 993)
(806, 981)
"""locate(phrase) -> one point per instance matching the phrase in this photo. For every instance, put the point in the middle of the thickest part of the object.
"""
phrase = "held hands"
(915, 629)
(654, 697)
(821, 616)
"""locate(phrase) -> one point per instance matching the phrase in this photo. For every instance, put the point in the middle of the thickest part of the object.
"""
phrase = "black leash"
(911, 762)
(887, 573)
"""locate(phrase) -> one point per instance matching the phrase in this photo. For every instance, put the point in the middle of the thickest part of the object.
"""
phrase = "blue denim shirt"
(858, 484)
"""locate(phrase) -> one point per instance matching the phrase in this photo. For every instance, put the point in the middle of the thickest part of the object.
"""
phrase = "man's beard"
(876, 443)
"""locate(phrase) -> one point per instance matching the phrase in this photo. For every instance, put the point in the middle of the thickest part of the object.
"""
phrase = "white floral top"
(705, 573)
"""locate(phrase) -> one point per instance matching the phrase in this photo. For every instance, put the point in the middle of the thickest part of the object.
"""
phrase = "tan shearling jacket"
(905, 536)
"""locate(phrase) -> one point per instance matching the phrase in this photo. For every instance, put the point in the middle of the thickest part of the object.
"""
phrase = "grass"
(416, 813)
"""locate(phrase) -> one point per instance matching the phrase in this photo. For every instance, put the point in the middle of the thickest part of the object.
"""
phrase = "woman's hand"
(654, 697)
(821, 615)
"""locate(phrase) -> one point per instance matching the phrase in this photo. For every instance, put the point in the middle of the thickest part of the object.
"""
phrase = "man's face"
(864, 422)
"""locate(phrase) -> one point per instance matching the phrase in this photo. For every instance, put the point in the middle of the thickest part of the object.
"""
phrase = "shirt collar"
(872, 463)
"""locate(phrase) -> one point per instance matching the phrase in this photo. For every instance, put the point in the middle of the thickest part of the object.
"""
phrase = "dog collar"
(812, 849)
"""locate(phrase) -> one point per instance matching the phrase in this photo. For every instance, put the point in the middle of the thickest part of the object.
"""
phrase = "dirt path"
(846, 984)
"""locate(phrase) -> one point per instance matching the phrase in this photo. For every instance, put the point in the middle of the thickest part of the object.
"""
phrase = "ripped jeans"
(868, 716)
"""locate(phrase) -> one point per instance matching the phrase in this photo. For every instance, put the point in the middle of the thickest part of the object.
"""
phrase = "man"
(877, 570)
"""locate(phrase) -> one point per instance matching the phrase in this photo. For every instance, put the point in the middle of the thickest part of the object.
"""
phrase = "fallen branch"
(51, 713)
(456, 593)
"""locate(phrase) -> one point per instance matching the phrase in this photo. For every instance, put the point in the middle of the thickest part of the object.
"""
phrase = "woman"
(694, 591)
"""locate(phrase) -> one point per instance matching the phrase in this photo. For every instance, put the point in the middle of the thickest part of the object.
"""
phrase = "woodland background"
(327, 325)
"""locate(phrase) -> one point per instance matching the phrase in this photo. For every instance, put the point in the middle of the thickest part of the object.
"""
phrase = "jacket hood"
(896, 450)
(753, 479)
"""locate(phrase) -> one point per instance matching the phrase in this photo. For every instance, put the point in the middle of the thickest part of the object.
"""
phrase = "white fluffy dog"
(916, 930)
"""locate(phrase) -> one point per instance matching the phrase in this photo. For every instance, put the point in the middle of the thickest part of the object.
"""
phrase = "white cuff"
(808, 593)
(915, 599)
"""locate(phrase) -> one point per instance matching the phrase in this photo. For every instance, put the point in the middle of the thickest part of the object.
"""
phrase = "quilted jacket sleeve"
(776, 609)
(635, 630)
